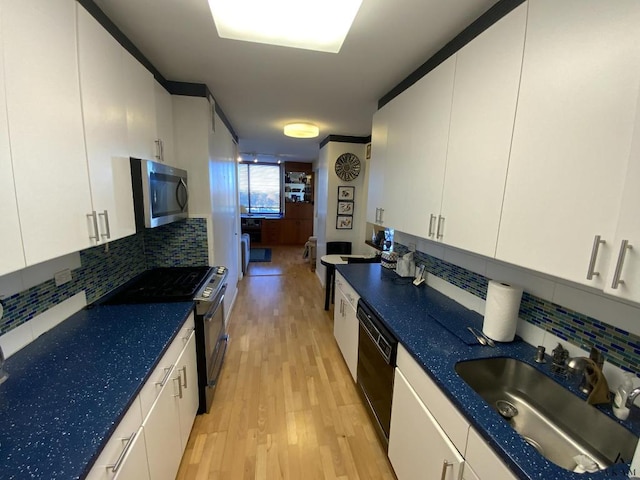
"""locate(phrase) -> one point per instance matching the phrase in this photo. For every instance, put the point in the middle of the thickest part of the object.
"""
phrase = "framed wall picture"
(344, 222)
(346, 193)
(345, 208)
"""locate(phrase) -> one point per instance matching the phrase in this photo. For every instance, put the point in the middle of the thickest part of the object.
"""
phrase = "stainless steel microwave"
(160, 193)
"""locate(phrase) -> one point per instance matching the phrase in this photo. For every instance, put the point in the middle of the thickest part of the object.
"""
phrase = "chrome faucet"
(579, 364)
(632, 396)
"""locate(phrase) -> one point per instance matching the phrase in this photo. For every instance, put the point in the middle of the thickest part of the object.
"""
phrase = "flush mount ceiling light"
(311, 25)
(301, 130)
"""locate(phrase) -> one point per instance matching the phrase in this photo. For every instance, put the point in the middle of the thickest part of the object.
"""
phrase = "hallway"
(286, 406)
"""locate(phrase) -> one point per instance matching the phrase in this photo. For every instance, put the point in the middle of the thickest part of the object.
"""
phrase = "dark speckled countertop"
(410, 313)
(69, 388)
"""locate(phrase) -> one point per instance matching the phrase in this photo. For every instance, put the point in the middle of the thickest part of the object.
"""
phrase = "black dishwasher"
(377, 349)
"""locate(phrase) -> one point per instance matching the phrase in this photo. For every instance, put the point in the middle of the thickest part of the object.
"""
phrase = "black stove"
(169, 284)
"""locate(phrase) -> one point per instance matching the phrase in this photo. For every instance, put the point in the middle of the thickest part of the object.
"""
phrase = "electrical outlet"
(62, 277)
(412, 247)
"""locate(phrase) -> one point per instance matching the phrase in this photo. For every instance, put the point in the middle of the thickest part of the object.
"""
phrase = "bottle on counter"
(620, 409)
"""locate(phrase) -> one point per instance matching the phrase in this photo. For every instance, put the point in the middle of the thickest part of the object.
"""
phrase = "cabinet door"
(134, 465)
(418, 447)
(187, 369)
(126, 444)
(141, 110)
(484, 106)
(484, 462)
(162, 431)
(572, 136)
(398, 146)
(45, 126)
(423, 164)
(377, 162)
(625, 264)
(104, 88)
(345, 324)
(11, 250)
(164, 123)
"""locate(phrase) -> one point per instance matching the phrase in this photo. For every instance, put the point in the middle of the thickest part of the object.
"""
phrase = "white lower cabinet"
(149, 441)
(134, 462)
(484, 463)
(188, 405)
(125, 452)
(345, 323)
(168, 424)
(418, 447)
(162, 430)
(427, 431)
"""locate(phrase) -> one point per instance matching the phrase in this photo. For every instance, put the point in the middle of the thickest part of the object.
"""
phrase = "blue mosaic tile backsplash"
(105, 268)
(621, 348)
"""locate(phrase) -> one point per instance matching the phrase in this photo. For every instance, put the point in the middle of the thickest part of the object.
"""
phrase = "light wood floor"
(286, 406)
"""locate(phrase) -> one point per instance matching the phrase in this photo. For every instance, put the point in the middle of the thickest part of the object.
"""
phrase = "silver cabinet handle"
(187, 334)
(179, 395)
(341, 307)
(105, 214)
(129, 441)
(184, 370)
(431, 219)
(624, 246)
(159, 149)
(440, 231)
(167, 371)
(445, 465)
(597, 241)
(96, 235)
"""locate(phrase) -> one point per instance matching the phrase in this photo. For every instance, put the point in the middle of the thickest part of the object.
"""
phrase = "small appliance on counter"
(206, 287)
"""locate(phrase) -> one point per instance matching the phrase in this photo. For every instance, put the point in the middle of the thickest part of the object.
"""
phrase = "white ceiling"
(262, 87)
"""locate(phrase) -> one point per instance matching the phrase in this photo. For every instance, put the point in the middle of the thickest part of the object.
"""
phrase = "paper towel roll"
(501, 311)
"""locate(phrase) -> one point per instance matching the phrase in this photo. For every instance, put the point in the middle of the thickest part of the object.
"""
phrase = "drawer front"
(129, 425)
(447, 416)
(350, 294)
(160, 374)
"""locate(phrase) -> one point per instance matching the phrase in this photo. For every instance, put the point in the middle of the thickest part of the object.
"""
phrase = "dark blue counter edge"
(618, 470)
(124, 411)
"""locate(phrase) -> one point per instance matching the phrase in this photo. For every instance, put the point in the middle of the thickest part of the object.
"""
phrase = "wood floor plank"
(286, 406)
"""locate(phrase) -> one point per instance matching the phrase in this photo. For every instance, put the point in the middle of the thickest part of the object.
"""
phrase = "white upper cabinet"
(164, 123)
(377, 163)
(141, 110)
(485, 94)
(624, 270)
(45, 125)
(104, 96)
(426, 156)
(11, 251)
(572, 137)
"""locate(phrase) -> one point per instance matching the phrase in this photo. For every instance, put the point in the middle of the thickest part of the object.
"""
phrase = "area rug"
(260, 255)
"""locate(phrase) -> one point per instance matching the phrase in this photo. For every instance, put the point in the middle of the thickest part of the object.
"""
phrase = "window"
(260, 188)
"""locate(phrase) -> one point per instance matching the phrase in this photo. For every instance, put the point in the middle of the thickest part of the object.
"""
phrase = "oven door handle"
(212, 311)
(224, 338)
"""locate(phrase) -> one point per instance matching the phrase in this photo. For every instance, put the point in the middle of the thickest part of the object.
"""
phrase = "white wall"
(327, 201)
(209, 157)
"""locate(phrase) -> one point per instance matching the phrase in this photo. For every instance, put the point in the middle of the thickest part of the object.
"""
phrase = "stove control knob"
(207, 292)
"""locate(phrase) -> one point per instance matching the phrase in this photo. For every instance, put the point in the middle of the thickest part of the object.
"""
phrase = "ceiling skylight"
(320, 25)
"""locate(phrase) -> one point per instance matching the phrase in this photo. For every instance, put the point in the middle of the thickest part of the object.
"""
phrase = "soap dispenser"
(620, 410)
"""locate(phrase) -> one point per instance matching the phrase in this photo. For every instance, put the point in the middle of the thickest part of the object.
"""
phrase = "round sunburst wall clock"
(348, 167)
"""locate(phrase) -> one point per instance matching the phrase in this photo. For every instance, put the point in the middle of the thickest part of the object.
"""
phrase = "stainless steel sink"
(554, 421)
